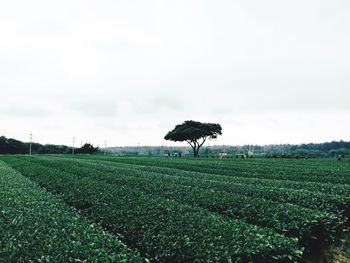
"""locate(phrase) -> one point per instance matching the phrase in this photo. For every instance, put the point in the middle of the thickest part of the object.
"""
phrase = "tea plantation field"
(157, 209)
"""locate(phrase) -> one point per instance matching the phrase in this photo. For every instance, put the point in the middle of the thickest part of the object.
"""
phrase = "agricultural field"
(157, 209)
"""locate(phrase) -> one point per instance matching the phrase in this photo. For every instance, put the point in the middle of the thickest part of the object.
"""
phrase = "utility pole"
(73, 145)
(30, 143)
(105, 151)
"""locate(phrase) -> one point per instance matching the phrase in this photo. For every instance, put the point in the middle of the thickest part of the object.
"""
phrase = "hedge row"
(163, 230)
(309, 226)
(35, 226)
(328, 171)
(338, 204)
(327, 188)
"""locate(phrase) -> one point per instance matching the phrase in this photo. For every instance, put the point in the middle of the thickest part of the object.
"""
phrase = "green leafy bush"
(35, 226)
(163, 230)
(308, 225)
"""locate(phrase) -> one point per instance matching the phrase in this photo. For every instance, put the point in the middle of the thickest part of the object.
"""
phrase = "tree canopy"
(87, 148)
(12, 146)
(194, 133)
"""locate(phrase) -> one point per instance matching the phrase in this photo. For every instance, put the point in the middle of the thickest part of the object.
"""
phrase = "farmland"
(139, 209)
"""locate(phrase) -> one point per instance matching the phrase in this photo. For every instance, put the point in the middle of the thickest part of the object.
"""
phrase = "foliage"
(208, 209)
(330, 172)
(35, 226)
(328, 149)
(308, 225)
(87, 148)
(12, 146)
(194, 133)
(161, 229)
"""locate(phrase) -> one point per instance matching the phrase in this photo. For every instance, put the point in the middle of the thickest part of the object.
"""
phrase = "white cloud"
(129, 71)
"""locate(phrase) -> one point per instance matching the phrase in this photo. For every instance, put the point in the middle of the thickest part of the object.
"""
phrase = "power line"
(105, 151)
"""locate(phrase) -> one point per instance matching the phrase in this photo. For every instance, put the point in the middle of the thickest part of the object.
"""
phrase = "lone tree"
(194, 133)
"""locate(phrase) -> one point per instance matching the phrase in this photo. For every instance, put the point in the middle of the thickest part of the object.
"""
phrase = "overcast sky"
(129, 71)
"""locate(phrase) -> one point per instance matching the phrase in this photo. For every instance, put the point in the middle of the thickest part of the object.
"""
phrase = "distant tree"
(55, 149)
(36, 147)
(13, 146)
(87, 148)
(194, 133)
(3, 145)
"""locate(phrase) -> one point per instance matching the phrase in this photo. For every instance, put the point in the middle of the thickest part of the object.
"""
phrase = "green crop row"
(163, 230)
(309, 226)
(326, 188)
(278, 169)
(35, 226)
(338, 204)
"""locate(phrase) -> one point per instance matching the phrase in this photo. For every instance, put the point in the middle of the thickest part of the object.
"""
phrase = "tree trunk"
(195, 152)
(195, 146)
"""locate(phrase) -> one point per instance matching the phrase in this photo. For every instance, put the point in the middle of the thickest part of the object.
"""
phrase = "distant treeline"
(327, 149)
(12, 146)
